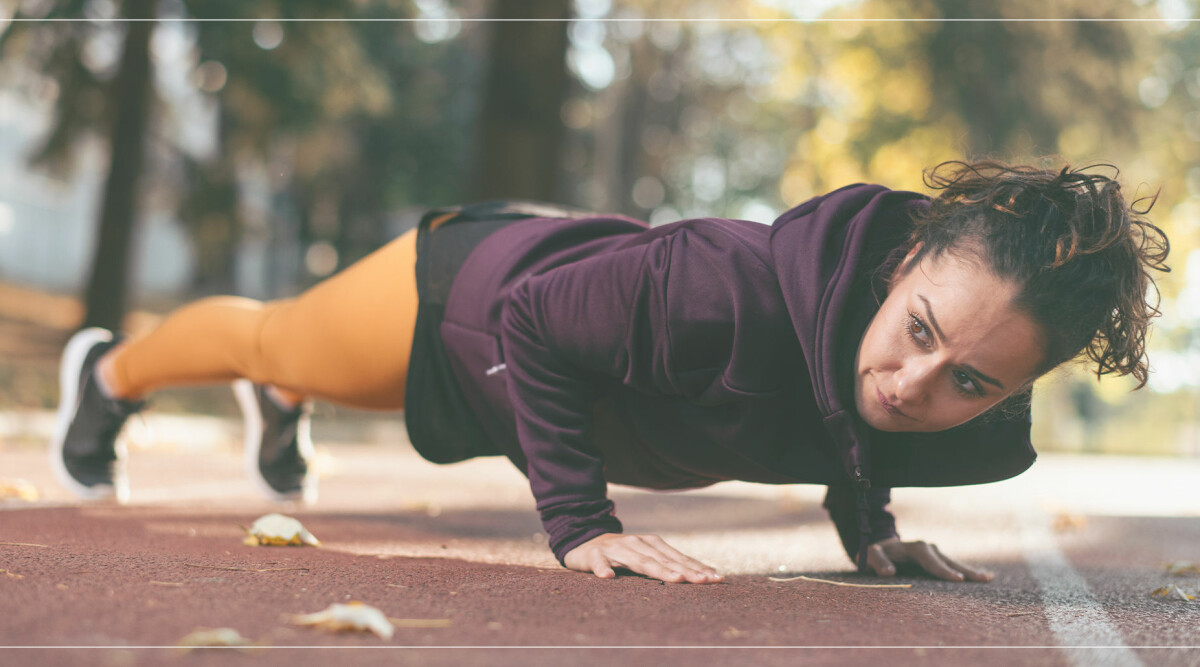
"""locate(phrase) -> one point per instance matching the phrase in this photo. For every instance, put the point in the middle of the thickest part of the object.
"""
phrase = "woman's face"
(945, 346)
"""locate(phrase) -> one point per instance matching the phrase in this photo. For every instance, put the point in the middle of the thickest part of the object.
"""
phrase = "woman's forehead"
(972, 310)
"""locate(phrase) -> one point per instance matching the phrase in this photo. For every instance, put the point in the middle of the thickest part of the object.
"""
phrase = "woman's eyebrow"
(942, 337)
(932, 320)
(981, 376)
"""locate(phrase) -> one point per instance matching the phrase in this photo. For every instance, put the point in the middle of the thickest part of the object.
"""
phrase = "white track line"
(1080, 625)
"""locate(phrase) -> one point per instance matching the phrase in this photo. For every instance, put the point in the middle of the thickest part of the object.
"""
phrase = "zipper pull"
(863, 483)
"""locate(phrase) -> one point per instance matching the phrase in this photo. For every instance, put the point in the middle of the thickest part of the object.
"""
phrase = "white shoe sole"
(243, 391)
(68, 403)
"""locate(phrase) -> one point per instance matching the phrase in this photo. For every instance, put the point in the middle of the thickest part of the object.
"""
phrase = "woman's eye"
(917, 328)
(966, 383)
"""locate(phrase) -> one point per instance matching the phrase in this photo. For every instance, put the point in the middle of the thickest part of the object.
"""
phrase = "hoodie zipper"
(864, 517)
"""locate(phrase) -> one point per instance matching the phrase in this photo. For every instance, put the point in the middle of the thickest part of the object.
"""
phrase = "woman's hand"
(642, 554)
(884, 555)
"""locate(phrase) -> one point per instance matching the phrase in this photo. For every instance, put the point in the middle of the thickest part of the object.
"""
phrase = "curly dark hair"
(1081, 255)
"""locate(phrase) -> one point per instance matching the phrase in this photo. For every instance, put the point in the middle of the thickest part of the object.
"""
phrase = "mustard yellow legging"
(345, 340)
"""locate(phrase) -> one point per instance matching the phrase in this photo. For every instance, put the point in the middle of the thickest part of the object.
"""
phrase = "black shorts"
(441, 425)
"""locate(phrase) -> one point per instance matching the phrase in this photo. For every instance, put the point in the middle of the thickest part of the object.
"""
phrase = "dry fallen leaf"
(214, 637)
(1173, 592)
(279, 530)
(350, 616)
(1182, 567)
(18, 489)
(838, 583)
(1065, 522)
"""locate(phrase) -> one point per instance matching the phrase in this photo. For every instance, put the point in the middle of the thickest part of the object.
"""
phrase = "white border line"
(1080, 625)
(462, 19)
(621, 647)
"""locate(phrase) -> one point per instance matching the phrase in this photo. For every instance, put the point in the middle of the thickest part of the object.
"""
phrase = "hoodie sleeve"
(842, 505)
(567, 334)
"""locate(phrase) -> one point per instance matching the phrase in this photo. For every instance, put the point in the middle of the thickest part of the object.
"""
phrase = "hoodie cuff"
(842, 505)
(571, 526)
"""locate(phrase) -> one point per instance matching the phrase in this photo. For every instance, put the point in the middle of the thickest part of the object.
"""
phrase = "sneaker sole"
(68, 382)
(243, 391)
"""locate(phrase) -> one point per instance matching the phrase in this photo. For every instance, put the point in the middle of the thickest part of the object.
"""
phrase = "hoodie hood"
(827, 252)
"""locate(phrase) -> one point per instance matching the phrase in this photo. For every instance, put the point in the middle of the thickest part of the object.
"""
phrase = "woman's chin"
(871, 415)
(887, 426)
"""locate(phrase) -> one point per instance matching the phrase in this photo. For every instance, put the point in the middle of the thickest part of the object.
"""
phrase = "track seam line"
(1083, 630)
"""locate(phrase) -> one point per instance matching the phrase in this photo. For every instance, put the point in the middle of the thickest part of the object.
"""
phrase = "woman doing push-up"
(868, 339)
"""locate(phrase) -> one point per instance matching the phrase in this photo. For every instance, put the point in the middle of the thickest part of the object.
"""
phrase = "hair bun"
(1081, 255)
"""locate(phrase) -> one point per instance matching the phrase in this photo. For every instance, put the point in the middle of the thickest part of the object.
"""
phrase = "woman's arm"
(842, 506)
(567, 334)
(886, 550)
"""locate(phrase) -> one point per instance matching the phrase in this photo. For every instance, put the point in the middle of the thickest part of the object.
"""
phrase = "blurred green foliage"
(353, 123)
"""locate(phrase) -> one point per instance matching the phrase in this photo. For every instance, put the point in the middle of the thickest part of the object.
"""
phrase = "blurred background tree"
(287, 149)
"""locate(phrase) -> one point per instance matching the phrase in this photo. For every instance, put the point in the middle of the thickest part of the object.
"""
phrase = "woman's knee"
(270, 355)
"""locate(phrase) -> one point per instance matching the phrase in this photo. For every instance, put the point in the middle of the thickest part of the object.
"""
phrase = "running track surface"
(1077, 545)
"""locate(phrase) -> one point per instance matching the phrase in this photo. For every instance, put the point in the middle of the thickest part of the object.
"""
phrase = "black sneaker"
(279, 449)
(84, 452)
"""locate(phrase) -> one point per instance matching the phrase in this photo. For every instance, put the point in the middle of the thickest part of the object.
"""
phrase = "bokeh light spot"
(648, 192)
(321, 259)
(268, 35)
(210, 76)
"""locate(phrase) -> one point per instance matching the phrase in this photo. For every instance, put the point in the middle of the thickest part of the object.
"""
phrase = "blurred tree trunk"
(632, 113)
(975, 73)
(105, 298)
(520, 122)
(994, 75)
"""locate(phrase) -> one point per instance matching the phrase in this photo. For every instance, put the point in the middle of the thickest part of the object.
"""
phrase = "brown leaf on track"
(18, 489)
(216, 637)
(1183, 567)
(1172, 592)
(1065, 522)
(279, 531)
(354, 616)
(839, 583)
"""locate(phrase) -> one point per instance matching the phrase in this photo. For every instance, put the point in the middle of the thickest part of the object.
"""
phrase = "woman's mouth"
(891, 409)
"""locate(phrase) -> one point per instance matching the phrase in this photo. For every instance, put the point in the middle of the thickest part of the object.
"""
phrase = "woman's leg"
(346, 340)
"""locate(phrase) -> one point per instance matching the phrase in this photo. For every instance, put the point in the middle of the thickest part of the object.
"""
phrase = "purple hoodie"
(597, 350)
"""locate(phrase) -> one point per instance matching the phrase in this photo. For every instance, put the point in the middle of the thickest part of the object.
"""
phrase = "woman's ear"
(912, 255)
(906, 264)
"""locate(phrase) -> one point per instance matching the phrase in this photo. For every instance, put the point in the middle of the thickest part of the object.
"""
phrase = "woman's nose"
(912, 381)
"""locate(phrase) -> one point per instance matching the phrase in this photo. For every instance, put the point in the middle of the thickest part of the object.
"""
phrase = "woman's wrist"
(562, 546)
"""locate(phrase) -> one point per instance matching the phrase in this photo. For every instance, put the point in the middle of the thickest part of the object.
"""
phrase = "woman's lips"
(891, 409)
